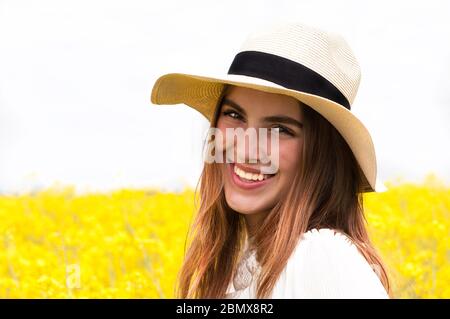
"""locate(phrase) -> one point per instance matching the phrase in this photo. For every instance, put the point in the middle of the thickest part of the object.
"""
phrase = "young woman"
(298, 231)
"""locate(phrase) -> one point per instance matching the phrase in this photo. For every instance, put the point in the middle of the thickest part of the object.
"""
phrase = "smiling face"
(246, 191)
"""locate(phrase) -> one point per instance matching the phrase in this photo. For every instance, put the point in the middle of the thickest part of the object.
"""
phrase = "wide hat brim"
(202, 92)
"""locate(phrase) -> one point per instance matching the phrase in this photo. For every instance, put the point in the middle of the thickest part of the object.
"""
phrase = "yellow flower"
(129, 243)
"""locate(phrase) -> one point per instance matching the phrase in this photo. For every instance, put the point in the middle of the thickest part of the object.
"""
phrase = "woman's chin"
(244, 205)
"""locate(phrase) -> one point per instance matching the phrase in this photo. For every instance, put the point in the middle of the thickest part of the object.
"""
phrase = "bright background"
(76, 77)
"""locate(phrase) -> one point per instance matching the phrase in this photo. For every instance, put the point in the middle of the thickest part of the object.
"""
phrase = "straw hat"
(312, 65)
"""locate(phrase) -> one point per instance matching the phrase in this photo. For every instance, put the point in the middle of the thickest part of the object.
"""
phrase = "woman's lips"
(244, 184)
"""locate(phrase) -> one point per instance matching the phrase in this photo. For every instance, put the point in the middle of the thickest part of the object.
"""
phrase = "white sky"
(76, 77)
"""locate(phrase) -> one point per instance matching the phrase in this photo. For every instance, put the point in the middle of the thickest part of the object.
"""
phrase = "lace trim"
(246, 271)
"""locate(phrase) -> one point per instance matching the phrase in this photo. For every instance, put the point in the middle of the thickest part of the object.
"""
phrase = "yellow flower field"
(130, 243)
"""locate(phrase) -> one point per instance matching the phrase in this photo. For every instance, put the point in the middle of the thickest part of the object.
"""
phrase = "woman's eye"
(232, 114)
(283, 130)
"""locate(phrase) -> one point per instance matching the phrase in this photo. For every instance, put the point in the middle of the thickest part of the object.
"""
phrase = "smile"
(248, 178)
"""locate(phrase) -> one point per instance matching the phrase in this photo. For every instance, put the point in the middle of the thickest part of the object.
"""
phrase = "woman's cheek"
(223, 125)
(221, 140)
(289, 159)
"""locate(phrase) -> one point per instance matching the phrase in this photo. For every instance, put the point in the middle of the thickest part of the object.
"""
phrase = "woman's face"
(245, 108)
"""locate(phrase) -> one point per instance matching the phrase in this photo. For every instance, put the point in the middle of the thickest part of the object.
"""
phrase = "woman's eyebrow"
(269, 119)
(283, 119)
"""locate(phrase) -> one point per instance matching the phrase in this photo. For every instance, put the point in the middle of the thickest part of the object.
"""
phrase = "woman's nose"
(253, 146)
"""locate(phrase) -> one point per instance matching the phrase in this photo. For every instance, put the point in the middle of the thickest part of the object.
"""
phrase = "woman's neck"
(254, 222)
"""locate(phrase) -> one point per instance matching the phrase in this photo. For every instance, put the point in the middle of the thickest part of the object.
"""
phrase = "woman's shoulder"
(325, 235)
(327, 264)
(326, 240)
(325, 247)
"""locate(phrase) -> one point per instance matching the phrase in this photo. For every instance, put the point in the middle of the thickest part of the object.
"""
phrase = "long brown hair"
(326, 193)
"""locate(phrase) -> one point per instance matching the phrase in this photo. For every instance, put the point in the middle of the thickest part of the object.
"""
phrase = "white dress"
(324, 264)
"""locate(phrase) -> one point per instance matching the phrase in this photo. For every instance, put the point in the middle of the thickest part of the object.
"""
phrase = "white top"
(324, 264)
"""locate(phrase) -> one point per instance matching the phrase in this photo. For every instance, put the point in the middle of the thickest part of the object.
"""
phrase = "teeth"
(249, 176)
